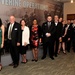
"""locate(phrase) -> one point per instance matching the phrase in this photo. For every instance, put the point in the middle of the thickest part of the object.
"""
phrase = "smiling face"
(12, 19)
(68, 21)
(73, 21)
(60, 19)
(49, 18)
(63, 22)
(23, 23)
(34, 22)
(56, 18)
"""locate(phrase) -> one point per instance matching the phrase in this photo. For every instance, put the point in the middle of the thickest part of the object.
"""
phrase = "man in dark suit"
(68, 35)
(48, 30)
(13, 35)
(58, 33)
(73, 35)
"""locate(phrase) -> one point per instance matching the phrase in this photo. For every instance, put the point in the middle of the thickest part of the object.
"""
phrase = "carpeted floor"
(62, 65)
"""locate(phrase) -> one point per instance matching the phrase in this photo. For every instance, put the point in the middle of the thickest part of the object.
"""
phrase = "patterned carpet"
(62, 65)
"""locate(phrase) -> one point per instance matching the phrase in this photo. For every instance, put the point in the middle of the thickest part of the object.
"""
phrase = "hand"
(40, 40)
(18, 44)
(68, 39)
(2, 45)
(25, 44)
(60, 38)
(63, 36)
(48, 34)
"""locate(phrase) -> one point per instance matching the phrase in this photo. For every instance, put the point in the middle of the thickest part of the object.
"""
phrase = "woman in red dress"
(35, 35)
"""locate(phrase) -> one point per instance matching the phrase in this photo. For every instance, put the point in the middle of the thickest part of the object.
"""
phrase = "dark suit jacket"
(50, 30)
(16, 33)
(63, 30)
(69, 32)
(58, 32)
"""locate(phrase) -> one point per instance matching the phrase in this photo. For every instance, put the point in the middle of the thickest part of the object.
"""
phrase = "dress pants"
(48, 46)
(68, 45)
(14, 51)
(73, 44)
(56, 43)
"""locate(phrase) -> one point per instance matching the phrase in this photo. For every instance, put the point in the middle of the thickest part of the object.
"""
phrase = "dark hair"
(22, 20)
(0, 22)
(35, 19)
(49, 15)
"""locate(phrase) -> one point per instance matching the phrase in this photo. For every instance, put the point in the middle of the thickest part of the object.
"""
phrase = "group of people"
(54, 34)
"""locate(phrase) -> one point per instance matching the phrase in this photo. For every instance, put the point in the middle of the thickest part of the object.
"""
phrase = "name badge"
(15, 29)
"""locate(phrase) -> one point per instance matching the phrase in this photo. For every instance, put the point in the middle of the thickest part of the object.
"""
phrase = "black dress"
(63, 32)
(23, 49)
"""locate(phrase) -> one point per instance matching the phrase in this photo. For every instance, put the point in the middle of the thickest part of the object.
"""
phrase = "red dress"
(34, 37)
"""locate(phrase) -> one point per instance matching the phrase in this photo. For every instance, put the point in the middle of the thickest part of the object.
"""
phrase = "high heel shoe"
(58, 51)
(33, 59)
(36, 60)
(64, 52)
(0, 67)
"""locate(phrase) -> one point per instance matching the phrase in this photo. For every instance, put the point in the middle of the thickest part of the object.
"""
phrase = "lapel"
(68, 28)
(46, 26)
(8, 26)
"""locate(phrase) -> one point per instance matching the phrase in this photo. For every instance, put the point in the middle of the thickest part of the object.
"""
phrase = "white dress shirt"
(56, 23)
(25, 35)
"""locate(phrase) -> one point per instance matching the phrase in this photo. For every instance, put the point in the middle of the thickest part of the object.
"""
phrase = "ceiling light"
(71, 1)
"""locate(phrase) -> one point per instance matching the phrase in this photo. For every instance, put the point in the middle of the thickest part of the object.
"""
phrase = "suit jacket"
(25, 35)
(63, 30)
(50, 30)
(69, 32)
(58, 32)
(15, 34)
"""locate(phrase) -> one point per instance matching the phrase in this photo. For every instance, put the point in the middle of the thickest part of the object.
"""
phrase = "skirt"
(23, 49)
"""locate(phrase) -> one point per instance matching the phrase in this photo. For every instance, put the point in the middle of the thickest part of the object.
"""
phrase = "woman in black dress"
(62, 42)
(35, 35)
(24, 40)
(73, 35)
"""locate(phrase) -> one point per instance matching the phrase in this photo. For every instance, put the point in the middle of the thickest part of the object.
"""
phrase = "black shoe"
(25, 62)
(43, 57)
(0, 67)
(15, 66)
(11, 64)
(68, 50)
(33, 59)
(55, 55)
(52, 58)
(36, 60)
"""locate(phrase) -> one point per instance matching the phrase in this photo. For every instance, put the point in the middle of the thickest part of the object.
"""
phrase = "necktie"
(49, 24)
(10, 30)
